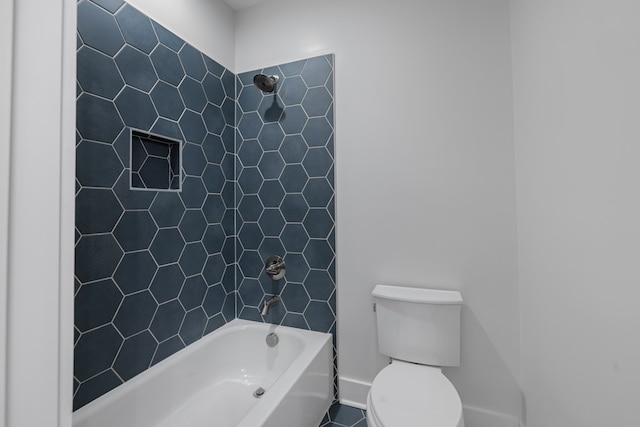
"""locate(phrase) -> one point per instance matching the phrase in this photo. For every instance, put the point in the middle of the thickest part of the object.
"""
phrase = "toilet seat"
(405, 394)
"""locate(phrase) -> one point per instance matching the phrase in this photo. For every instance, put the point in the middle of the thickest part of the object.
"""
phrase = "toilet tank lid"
(417, 295)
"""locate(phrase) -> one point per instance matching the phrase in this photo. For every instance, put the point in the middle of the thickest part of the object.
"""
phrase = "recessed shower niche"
(155, 162)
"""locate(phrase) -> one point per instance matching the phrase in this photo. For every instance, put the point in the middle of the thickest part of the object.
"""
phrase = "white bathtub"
(212, 381)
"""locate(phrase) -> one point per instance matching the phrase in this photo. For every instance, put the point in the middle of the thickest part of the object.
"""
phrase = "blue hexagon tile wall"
(285, 194)
(154, 269)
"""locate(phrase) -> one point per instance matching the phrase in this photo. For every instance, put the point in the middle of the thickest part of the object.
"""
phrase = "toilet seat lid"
(405, 394)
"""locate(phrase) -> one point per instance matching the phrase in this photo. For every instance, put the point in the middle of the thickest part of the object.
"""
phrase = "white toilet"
(420, 330)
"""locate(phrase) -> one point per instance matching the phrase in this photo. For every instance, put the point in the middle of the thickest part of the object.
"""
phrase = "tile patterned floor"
(344, 416)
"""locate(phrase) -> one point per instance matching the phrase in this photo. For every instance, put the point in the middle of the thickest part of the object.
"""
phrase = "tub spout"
(265, 308)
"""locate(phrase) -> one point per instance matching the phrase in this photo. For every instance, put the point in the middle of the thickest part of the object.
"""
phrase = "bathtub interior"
(212, 382)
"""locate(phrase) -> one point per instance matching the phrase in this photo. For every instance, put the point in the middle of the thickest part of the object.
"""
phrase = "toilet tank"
(418, 325)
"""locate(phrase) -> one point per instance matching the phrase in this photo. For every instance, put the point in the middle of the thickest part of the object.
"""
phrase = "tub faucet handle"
(275, 267)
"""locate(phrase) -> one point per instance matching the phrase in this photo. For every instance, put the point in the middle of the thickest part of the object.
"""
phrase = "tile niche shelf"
(156, 163)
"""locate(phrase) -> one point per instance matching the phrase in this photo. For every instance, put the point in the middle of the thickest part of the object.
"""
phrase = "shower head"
(265, 83)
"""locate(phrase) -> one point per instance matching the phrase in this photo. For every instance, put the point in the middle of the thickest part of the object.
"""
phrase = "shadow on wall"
(484, 372)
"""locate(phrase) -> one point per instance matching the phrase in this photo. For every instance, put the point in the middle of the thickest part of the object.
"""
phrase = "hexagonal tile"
(193, 127)
(136, 68)
(167, 246)
(251, 264)
(295, 320)
(213, 119)
(319, 316)
(193, 258)
(319, 285)
(229, 251)
(250, 208)
(318, 192)
(249, 98)
(271, 246)
(317, 101)
(318, 223)
(213, 239)
(271, 165)
(97, 119)
(213, 89)
(98, 28)
(214, 269)
(294, 207)
(192, 94)
(97, 73)
(136, 108)
(167, 283)
(95, 304)
(135, 230)
(271, 136)
(317, 162)
(135, 313)
(95, 352)
(193, 326)
(193, 292)
(167, 38)
(250, 180)
(213, 208)
(292, 68)
(317, 132)
(250, 125)
(318, 254)
(167, 209)
(192, 62)
(271, 109)
(228, 166)
(250, 235)
(167, 348)
(97, 210)
(294, 237)
(167, 320)
(193, 192)
(293, 178)
(213, 178)
(294, 119)
(250, 152)
(292, 90)
(135, 355)
(316, 71)
(297, 267)
(167, 65)
(193, 225)
(167, 100)
(293, 149)
(295, 298)
(271, 194)
(251, 292)
(96, 257)
(136, 28)
(213, 148)
(271, 222)
(214, 300)
(135, 272)
(193, 160)
(97, 165)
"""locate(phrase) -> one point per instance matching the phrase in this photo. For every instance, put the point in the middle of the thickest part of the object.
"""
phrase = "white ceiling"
(242, 4)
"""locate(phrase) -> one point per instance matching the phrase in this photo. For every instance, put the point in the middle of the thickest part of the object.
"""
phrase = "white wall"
(40, 261)
(577, 109)
(205, 24)
(425, 168)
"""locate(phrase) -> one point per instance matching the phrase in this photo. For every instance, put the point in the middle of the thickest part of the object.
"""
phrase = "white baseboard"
(353, 392)
(477, 417)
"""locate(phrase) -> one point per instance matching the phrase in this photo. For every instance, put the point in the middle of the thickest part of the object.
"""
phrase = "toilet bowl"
(419, 330)
(405, 394)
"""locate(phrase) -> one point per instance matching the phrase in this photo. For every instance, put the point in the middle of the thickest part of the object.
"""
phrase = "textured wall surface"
(154, 269)
(285, 194)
